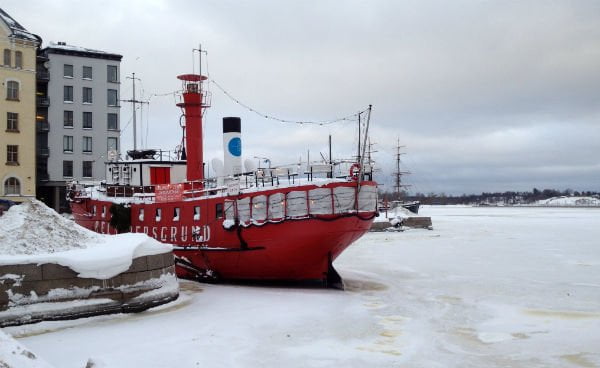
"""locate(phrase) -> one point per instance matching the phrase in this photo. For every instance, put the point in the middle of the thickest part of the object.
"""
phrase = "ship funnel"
(232, 146)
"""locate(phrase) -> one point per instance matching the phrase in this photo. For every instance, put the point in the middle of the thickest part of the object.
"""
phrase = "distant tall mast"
(398, 174)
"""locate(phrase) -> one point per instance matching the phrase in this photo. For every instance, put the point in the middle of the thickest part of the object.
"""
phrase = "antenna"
(133, 103)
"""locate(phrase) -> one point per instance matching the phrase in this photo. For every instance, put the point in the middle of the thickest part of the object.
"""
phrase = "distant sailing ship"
(412, 206)
(261, 224)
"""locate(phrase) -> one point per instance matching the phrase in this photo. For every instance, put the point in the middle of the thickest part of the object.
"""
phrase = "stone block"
(29, 272)
(138, 265)
(3, 300)
(168, 259)
(135, 277)
(419, 222)
(155, 262)
(116, 295)
(113, 282)
(51, 271)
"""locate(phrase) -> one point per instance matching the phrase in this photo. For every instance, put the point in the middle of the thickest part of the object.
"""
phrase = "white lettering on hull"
(173, 234)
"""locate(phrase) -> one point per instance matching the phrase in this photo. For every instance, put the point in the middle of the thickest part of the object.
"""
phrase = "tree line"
(507, 198)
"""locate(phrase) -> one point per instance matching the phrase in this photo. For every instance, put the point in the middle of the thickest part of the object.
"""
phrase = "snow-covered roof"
(64, 48)
(17, 30)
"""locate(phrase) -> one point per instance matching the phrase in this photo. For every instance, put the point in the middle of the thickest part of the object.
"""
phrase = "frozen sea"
(488, 287)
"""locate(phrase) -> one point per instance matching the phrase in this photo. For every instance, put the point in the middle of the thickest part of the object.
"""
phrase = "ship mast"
(398, 174)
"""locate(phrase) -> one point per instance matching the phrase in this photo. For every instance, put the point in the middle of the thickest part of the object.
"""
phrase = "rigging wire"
(352, 117)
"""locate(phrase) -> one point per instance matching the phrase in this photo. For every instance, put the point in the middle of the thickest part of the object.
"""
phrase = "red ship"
(270, 224)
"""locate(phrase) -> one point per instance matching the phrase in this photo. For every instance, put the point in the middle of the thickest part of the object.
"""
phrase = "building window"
(6, 57)
(12, 154)
(112, 144)
(68, 143)
(87, 144)
(12, 186)
(68, 119)
(87, 120)
(112, 74)
(87, 72)
(18, 59)
(68, 169)
(12, 90)
(87, 95)
(68, 93)
(112, 97)
(12, 122)
(87, 169)
(68, 71)
(112, 120)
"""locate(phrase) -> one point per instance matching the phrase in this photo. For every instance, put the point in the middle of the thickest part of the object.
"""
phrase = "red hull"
(291, 249)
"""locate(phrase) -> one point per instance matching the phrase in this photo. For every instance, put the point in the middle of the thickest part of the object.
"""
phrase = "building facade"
(17, 110)
(79, 113)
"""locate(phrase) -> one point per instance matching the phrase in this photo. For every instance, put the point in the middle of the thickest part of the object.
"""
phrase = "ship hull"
(298, 250)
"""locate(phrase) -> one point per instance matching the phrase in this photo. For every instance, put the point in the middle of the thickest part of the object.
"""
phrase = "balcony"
(43, 151)
(42, 75)
(42, 101)
(42, 126)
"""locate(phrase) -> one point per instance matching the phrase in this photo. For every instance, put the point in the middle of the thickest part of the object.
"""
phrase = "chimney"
(232, 146)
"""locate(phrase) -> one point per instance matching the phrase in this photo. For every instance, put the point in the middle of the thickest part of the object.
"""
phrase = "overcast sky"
(485, 95)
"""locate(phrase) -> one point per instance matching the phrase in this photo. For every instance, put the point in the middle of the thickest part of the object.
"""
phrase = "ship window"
(141, 214)
(176, 214)
(219, 210)
(103, 211)
(158, 214)
(196, 213)
(93, 210)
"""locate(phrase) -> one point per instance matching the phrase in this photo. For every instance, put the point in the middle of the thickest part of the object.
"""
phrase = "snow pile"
(33, 228)
(570, 201)
(13, 354)
(34, 233)
(394, 215)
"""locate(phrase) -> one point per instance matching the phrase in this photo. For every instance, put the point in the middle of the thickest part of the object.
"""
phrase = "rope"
(352, 117)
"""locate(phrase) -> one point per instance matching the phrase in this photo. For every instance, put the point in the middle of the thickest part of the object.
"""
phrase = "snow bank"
(13, 354)
(34, 233)
(33, 228)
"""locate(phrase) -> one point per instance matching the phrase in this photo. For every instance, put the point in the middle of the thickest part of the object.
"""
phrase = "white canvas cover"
(229, 209)
(367, 198)
(344, 199)
(320, 201)
(259, 208)
(276, 203)
(243, 207)
(296, 204)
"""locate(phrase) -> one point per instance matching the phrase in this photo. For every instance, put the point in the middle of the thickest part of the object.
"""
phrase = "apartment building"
(78, 106)
(17, 110)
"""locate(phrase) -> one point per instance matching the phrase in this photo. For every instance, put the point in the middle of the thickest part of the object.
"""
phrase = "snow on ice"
(488, 287)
